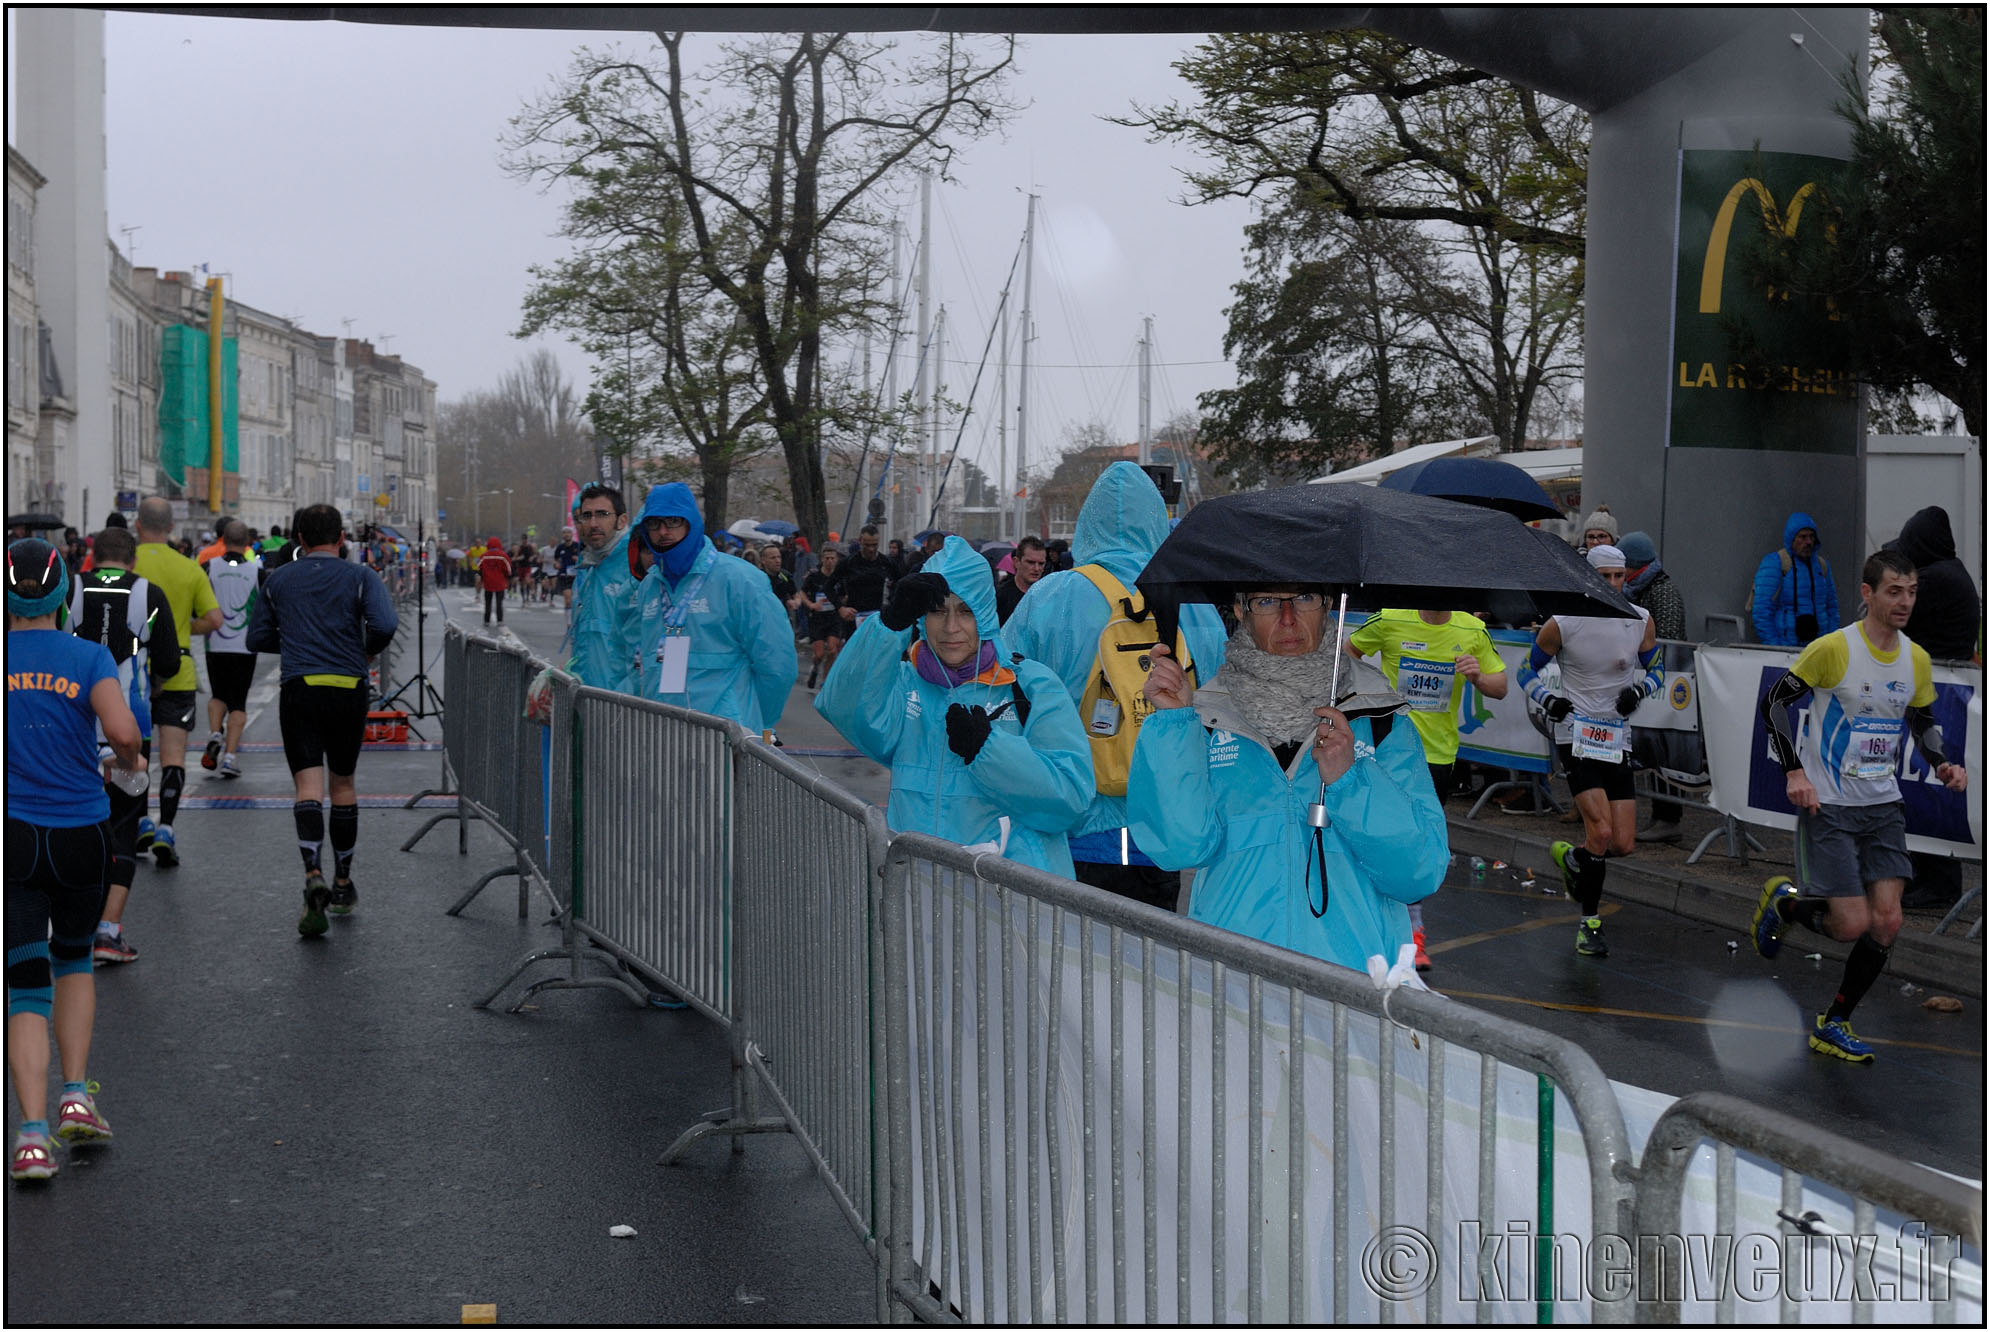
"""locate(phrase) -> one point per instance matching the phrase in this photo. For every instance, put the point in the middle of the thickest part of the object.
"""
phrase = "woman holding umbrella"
(1225, 780)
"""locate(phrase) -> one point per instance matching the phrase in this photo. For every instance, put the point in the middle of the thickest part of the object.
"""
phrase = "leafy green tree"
(1900, 261)
(774, 162)
(1419, 239)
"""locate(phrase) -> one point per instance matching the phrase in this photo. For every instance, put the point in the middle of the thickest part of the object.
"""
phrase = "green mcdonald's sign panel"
(1752, 369)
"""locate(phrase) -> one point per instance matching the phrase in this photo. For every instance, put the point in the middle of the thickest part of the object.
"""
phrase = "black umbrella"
(1486, 482)
(35, 522)
(1383, 548)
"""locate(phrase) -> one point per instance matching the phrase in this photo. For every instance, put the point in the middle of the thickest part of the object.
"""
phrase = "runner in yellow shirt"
(195, 611)
(1424, 654)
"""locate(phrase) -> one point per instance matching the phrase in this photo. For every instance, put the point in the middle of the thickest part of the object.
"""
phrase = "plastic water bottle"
(133, 784)
(1478, 870)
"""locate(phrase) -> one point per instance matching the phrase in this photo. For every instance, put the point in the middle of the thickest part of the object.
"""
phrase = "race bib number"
(1425, 683)
(673, 654)
(1875, 748)
(1598, 739)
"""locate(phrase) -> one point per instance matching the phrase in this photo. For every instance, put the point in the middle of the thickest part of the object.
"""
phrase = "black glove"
(1628, 699)
(967, 730)
(1557, 707)
(915, 596)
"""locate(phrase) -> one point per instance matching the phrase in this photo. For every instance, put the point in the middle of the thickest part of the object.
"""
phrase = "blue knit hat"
(1638, 550)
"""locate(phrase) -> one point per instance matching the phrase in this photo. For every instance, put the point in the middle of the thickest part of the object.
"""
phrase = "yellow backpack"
(1114, 707)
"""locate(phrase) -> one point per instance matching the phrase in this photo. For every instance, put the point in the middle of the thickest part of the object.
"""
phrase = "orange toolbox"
(386, 728)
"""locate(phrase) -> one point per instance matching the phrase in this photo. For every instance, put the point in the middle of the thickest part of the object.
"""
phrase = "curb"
(1938, 961)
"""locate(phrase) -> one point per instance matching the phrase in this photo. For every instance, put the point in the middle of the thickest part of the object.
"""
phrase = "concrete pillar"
(1714, 511)
(1662, 84)
(59, 126)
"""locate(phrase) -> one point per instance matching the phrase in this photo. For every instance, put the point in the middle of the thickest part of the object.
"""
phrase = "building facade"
(23, 336)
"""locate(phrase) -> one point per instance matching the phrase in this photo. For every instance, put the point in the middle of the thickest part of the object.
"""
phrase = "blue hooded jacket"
(742, 651)
(1806, 589)
(1206, 792)
(1037, 774)
(607, 617)
(1058, 622)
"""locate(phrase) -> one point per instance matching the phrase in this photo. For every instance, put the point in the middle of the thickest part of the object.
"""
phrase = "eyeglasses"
(1301, 603)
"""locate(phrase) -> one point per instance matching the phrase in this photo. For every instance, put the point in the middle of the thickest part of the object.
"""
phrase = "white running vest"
(1599, 657)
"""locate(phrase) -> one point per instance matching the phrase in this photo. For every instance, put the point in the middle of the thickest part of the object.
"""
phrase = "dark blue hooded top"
(674, 500)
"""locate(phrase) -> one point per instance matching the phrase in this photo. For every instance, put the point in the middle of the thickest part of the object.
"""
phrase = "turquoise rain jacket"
(1036, 773)
(742, 654)
(1206, 792)
(606, 621)
(1058, 622)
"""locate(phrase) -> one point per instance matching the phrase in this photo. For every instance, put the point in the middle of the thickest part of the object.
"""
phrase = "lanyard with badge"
(673, 650)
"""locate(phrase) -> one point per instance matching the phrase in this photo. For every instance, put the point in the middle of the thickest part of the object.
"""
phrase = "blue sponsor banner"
(1750, 785)
(1932, 809)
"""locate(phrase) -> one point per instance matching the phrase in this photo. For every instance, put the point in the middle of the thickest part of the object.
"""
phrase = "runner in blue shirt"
(59, 689)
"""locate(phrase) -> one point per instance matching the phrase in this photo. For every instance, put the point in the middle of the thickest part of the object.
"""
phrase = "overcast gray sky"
(345, 171)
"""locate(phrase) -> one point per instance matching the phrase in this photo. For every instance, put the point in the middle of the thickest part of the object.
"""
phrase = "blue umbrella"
(1486, 482)
(779, 528)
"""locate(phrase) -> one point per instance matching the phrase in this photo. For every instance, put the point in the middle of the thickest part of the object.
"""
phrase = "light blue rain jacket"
(1036, 774)
(1058, 621)
(742, 654)
(607, 620)
(1207, 792)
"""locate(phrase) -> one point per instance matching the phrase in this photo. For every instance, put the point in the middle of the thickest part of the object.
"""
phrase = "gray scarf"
(1277, 695)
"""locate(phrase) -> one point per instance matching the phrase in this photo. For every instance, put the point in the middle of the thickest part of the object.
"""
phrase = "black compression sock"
(171, 781)
(1862, 968)
(345, 836)
(1809, 912)
(309, 816)
(1589, 868)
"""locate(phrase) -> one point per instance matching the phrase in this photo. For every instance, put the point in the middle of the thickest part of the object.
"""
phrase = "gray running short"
(1842, 848)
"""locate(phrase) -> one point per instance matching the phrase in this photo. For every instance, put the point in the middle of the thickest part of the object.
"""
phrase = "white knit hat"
(1605, 557)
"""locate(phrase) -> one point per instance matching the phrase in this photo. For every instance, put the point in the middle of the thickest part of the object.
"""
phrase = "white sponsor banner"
(1748, 783)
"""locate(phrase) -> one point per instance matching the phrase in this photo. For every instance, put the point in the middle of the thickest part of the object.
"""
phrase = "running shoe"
(316, 897)
(1561, 852)
(79, 1123)
(32, 1160)
(1834, 1036)
(111, 948)
(1769, 925)
(229, 767)
(1422, 958)
(1589, 938)
(212, 754)
(164, 849)
(145, 829)
(344, 898)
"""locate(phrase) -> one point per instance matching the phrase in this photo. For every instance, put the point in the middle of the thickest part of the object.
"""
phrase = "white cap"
(1605, 557)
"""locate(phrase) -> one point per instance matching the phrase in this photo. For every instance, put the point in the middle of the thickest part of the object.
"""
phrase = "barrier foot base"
(719, 1123)
(424, 830)
(1737, 837)
(620, 981)
(1955, 913)
(420, 796)
(1541, 790)
(478, 887)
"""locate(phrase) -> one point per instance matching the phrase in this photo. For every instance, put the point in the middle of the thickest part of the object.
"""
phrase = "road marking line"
(1505, 931)
(1693, 1021)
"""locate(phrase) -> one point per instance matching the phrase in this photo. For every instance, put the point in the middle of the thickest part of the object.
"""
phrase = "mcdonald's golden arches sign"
(1750, 369)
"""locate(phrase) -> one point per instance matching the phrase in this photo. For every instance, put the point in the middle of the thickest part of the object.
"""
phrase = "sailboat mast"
(1023, 373)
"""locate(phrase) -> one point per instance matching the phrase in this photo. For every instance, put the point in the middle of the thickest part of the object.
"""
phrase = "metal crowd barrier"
(1039, 1102)
(1934, 1216)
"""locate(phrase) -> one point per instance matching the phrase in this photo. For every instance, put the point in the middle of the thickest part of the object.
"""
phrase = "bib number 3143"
(1426, 684)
